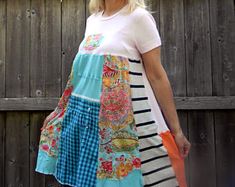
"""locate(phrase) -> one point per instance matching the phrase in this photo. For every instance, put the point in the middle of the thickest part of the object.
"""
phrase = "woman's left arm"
(163, 92)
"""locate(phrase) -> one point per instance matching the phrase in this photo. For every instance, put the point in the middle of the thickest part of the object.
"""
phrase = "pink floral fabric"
(118, 151)
(50, 135)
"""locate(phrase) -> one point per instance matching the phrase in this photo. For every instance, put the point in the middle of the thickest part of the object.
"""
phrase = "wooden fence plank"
(38, 62)
(199, 83)
(154, 6)
(38, 49)
(202, 157)
(182, 103)
(2, 148)
(52, 50)
(17, 56)
(225, 148)
(53, 79)
(17, 85)
(222, 23)
(173, 51)
(17, 149)
(198, 52)
(205, 102)
(87, 12)
(2, 46)
(2, 87)
(73, 28)
(47, 17)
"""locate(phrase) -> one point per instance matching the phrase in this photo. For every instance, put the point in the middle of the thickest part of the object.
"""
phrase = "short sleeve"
(86, 26)
(88, 20)
(146, 34)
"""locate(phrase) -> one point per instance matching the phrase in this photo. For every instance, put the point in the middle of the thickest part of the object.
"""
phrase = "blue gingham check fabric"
(79, 144)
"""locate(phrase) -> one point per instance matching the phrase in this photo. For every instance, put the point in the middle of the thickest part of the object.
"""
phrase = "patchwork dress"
(107, 129)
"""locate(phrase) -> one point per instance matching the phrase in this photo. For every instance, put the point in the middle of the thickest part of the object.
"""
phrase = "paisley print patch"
(118, 148)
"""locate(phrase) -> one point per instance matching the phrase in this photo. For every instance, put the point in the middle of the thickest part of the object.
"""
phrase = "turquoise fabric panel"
(87, 75)
(133, 179)
(45, 164)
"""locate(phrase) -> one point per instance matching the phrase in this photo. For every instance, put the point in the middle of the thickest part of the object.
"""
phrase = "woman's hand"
(182, 143)
(45, 123)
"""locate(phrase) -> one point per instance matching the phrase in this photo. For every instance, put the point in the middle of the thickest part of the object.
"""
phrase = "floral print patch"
(118, 148)
(92, 41)
(50, 135)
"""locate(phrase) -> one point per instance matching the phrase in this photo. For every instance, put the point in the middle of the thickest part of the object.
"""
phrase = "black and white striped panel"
(163, 182)
(156, 166)
(154, 156)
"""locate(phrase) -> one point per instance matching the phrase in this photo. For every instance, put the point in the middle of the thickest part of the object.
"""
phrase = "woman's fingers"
(44, 124)
(186, 148)
(181, 149)
(183, 145)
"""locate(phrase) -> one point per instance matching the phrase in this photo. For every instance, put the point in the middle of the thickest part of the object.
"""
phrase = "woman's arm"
(163, 92)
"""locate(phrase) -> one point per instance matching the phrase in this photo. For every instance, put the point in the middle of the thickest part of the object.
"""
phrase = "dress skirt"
(108, 130)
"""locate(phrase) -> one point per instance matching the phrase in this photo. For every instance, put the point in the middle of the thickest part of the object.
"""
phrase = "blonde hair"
(98, 5)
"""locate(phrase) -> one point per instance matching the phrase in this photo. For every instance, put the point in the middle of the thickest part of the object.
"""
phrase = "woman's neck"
(112, 6)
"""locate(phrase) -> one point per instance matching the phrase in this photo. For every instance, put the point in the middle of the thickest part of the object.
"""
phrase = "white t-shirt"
(137, 32)
(129, 36)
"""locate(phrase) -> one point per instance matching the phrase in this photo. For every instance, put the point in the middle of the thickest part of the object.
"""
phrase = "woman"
(108, 129)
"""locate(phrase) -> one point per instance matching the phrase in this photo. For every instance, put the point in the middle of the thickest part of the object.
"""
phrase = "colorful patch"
(118, 148)
(92, 41)
(50, 135)
(88, 76)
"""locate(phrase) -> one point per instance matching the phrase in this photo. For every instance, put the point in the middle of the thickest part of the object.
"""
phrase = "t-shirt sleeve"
(146, 34)
(87, 23)
(88, 20)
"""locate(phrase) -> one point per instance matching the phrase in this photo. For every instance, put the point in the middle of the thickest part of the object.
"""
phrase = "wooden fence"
(38, 41)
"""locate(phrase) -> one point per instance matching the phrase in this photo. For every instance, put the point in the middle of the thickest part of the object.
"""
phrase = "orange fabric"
(175, 157)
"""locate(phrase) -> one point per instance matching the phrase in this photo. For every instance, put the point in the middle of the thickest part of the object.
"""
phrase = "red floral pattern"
(116, 122)
(49, 138)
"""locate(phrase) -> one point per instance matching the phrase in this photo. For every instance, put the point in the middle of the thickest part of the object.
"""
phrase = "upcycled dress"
(108, 129)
